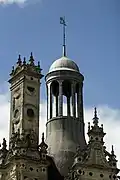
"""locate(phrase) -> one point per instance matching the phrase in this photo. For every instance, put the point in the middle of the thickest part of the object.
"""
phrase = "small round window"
(30, 113)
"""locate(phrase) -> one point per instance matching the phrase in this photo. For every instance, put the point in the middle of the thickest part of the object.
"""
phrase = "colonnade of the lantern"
(57, 91)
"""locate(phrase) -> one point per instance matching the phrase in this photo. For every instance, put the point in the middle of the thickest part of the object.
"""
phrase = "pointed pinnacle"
(31, 59)
(19, 62)
(112, 152)
(43, 137)
(95, 112)
(4, 143)
(39, 64)
(31, 55)
(95, 117)
(19, 58)
(88, 126)
(13, 69)
(24, 61)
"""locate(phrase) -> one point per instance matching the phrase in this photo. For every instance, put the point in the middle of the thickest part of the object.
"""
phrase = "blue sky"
(93, 41)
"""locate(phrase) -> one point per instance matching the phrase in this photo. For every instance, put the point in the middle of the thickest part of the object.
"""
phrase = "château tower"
(25, 159)
(25, 97)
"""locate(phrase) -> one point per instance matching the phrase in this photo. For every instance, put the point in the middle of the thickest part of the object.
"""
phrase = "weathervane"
(62, 21)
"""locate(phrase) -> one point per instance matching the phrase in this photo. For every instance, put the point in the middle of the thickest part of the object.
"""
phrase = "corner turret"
(94, 162)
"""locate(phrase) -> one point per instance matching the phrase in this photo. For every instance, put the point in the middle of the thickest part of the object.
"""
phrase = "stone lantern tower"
(65, 121)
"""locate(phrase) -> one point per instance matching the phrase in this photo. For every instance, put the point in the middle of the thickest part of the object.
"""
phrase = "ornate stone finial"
(112, 152)
(19, 62)
(95, 112)
(24, 61)
(38, 67)
(112, 158)
(43, 146)
(95, 119)
(38, 64)
(4, 144)
(3, 151)
(88, 126)
(31, 59)
(13, 69)
(43, 137)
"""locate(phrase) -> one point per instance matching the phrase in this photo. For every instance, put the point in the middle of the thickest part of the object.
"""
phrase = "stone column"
(51, 103)
(81, 102)
(56, 105)
(73, 99)
(60, 99)
(68, 106)
(78, 100)
(49, 112)
(48, 99)
(47, 102)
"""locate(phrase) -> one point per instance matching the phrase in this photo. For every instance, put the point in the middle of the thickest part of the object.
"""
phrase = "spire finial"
(39, 64)
(88, 126)
(31, 55)
(31, 59)
(62, 21)
(24, 61)
(95, 112)
(43, 146)
(13, 69)
(4, 143)
(19, 62)
(112, 152)
(95, 119)
(43, 137)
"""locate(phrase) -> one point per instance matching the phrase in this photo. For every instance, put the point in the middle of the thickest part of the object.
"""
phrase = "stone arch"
(54, 98)
(55, 88)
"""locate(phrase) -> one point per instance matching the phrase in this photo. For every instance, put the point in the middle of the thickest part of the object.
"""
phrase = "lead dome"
(64, 63)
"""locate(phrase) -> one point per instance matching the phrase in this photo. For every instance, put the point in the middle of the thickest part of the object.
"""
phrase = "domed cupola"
(64, 63)
(65, 121)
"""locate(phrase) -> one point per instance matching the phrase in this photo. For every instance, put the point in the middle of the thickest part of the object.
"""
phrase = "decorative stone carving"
(94, 157)
(3, 151)
(43, 146)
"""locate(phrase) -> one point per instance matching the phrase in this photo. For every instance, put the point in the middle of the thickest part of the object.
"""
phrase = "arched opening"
(66, 98)
(55, 93)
